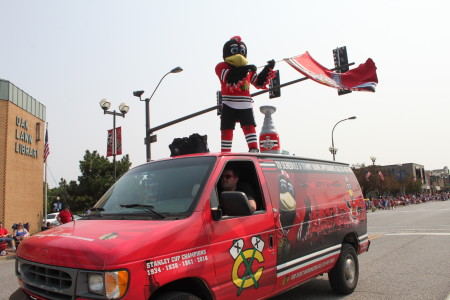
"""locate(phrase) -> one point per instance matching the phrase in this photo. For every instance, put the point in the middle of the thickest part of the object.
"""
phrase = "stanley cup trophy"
(269, 141)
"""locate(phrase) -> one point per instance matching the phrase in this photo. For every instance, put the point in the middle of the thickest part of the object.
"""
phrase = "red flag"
(362, 78)
(381, 175)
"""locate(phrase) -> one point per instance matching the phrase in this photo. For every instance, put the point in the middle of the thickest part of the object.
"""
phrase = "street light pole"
(332, 149)
(124, 108)
(148, 137)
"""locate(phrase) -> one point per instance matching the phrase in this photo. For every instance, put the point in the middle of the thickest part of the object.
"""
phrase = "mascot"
(236, 75)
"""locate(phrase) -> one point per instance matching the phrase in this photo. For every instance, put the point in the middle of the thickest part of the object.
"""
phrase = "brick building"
(22, 125)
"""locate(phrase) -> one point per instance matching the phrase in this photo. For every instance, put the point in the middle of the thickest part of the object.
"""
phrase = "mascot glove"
(251, 68)
(271, 64)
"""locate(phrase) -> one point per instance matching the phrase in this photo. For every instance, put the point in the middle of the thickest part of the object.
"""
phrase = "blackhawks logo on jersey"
(246, 272)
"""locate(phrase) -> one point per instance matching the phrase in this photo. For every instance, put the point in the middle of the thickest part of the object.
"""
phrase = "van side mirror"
(216, 214)
(235, 204)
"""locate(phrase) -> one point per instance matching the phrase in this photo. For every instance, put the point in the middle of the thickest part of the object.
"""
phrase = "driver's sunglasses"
(227, 176)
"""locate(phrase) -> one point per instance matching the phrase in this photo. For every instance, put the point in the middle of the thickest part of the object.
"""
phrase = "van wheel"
(344, 275)
(177, 296)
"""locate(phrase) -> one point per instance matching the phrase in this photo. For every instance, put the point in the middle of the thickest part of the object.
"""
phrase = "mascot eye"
(234, 50)
(291, 189)
(242, 50)
(283, 186)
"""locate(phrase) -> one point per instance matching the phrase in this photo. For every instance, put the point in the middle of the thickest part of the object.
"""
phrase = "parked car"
(52, 218)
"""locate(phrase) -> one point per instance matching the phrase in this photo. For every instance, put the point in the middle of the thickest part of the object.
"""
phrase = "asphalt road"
(409, 258)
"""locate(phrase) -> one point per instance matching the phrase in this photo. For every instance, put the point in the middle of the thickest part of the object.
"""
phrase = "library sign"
(24, 140)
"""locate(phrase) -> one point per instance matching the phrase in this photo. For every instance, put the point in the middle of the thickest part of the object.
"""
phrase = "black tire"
(177, 296)
(343, 277)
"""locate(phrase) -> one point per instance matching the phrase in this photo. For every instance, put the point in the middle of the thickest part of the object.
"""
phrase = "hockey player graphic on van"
(352, 205)
(287, 215)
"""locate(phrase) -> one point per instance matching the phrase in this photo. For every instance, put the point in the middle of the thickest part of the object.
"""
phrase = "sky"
(71, 54)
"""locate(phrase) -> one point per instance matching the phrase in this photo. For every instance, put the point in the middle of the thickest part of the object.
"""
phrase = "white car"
(52, 219)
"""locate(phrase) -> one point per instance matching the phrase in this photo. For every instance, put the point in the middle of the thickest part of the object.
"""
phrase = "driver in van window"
(230, 182)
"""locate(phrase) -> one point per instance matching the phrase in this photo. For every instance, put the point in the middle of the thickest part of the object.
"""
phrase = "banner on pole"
(119, 140)
(362, 78)
(109, 145)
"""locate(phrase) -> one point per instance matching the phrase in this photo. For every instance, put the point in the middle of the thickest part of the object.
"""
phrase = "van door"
(243, 246)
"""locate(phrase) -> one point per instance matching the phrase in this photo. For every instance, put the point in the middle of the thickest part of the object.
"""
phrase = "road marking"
(371, 237)
(420, 233)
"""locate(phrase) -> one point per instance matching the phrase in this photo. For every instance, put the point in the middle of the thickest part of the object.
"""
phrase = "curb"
(9, 256)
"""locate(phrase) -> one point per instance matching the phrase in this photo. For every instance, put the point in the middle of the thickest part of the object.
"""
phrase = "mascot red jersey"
(235, 76)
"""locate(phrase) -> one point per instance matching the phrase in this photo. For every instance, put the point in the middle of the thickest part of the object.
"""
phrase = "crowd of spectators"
(12, 240)
(390, 202)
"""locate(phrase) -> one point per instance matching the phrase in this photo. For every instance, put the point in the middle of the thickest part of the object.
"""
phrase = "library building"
(22, 139)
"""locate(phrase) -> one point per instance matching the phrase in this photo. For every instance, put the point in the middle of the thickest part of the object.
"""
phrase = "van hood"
(102, 244)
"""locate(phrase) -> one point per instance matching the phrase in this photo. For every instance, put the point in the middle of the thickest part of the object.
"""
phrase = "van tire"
(177, 296)
(343, 277)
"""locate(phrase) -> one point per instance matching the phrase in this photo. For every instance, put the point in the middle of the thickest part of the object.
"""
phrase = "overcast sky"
(71, 54)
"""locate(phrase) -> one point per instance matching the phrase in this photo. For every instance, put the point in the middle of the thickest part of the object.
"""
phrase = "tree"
(97, 176)
(374, 184)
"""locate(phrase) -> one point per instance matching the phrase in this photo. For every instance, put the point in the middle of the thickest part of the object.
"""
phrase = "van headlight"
(18, 266)
(112, 284)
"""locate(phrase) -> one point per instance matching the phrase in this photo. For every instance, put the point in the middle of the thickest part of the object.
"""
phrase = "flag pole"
(45, 178)
(152, 130)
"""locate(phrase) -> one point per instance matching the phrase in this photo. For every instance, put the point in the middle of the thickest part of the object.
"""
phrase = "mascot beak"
(236, 60)
(287, 202)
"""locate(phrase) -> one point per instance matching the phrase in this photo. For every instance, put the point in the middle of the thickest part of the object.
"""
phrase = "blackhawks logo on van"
(246, 272)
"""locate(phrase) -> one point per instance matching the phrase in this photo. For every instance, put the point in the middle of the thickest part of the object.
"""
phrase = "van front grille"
(49, 277)
(49, 282)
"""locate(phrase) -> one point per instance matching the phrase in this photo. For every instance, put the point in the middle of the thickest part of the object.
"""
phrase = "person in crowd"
(48, 226)
(65, 216)
(20, 233)
(4, 237)
(230, 182)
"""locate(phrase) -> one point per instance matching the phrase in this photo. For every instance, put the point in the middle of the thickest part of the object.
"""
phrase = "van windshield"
(158, 190)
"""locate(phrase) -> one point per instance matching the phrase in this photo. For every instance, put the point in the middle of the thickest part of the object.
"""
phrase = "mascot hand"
(271, 64)
(237, 74)
(251, 68)
(265, 75)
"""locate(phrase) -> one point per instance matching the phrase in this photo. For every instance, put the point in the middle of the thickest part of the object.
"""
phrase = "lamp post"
(332, 149)
(151, 138)
(123, 108)
(373, 159)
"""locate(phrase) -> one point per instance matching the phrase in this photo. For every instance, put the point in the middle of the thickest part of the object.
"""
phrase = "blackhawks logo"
(244, 273)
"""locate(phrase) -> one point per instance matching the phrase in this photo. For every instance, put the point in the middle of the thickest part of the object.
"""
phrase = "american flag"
(381, 175)
(368, 175)
(46, 146)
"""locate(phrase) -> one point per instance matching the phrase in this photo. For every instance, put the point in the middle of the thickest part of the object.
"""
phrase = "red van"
(166, 230)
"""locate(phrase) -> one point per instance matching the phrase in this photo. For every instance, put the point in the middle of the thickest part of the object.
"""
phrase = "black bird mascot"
(235, 76)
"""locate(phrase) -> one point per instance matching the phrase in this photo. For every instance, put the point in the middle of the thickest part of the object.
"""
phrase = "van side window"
(241, 176)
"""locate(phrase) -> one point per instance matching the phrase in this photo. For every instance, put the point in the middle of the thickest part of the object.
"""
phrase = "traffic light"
(341, 59)
(219, 103)
(275, 82)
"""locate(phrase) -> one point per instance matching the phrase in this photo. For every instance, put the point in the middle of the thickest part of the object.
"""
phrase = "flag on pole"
(362, 78)
(381, 175)
(368, 175)
(109, 146)
(46, 146)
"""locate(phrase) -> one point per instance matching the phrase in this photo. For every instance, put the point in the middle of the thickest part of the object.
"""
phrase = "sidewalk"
(10, 255)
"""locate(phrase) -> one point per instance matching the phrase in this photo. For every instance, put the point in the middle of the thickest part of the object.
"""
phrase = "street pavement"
(409, 258)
